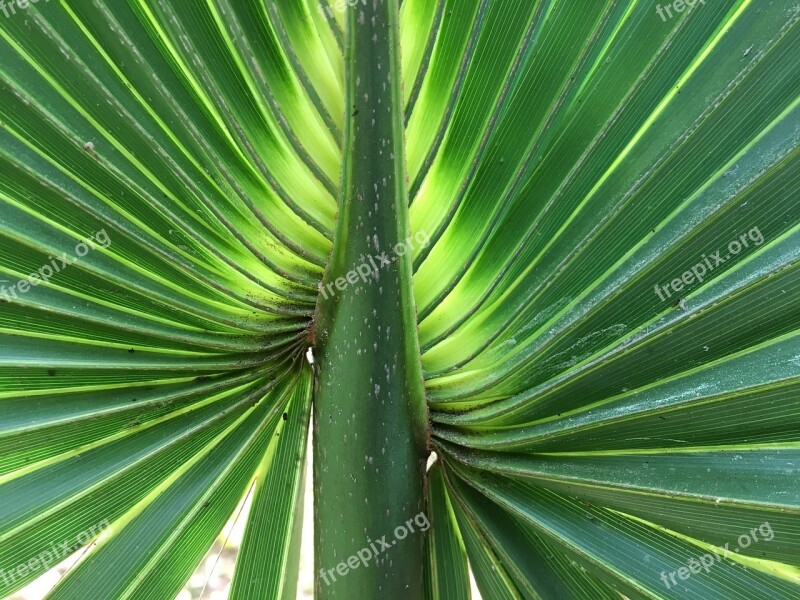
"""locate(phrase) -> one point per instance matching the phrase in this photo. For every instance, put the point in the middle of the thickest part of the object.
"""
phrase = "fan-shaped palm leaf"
(554, 241)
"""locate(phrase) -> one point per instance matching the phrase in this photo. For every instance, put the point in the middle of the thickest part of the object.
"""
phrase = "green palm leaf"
(557, 243)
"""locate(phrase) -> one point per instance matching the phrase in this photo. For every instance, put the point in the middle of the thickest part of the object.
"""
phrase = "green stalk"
(370, 418)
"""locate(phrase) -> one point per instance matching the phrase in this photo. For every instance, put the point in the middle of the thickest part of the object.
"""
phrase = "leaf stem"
(370, 419)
